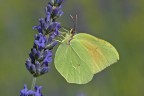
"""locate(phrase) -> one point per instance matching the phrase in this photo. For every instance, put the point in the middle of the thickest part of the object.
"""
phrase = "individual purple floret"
(48, 29)
(40, 41)
(26, 92)
(38, 91)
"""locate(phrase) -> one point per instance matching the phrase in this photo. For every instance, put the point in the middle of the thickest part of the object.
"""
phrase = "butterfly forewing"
(102, 52)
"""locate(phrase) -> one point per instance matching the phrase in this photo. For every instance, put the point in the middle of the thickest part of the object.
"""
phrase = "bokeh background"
(120, 22)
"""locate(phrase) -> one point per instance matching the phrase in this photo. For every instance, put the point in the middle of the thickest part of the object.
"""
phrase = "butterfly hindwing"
(72, 64)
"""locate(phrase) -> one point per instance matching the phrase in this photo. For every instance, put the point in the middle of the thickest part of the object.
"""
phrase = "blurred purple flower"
(38, 91)
(81, 94)
(26, 92)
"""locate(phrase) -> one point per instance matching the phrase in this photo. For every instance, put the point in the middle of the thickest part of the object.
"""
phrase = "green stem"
(33, 83)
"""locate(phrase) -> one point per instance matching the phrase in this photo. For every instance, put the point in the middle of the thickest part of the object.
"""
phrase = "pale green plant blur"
(121, 22)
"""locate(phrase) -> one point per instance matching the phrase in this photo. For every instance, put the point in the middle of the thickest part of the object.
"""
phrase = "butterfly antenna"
(73, 30)
(76, 18)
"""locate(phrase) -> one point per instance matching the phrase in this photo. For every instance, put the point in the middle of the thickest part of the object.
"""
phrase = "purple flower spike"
(48, 29)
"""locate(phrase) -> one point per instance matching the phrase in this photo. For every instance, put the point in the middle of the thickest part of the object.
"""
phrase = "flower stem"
(33, 83)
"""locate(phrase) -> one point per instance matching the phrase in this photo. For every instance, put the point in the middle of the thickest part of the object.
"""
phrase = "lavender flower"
(41, 52)
(26, 92)
(38, 91)
(48, 29)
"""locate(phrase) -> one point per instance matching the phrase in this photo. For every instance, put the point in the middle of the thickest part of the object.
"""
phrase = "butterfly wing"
(71, 62)
(85, 56)
(103, 54)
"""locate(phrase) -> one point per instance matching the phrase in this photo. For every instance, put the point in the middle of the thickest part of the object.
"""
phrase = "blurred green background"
(121, 22)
